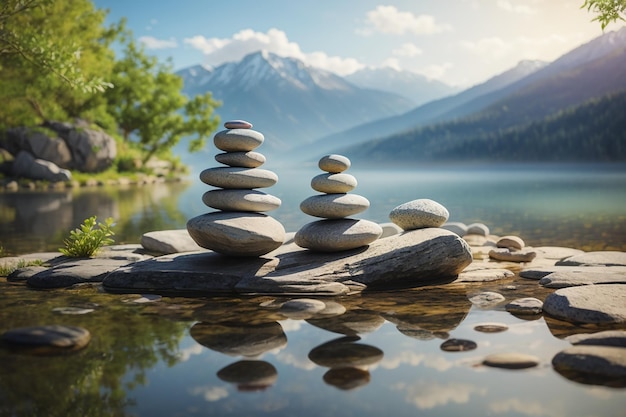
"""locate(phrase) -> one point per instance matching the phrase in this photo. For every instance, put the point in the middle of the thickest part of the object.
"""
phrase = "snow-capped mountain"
(290, 102)
(415, 87)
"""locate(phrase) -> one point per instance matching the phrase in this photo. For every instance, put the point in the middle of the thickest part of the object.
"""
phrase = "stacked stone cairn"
(336, 232)
(238, 228)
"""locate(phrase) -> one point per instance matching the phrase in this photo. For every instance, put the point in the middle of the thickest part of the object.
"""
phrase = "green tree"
(53, 56)
(150, 108)
(606, 11)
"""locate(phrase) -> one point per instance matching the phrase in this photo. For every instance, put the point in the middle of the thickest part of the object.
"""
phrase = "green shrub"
(8, 268)
(86, 240)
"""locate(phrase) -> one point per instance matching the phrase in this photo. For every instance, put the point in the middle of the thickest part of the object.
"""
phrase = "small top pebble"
(237, 124)
(334, 163)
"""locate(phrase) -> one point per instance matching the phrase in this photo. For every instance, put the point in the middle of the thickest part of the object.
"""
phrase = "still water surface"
(178, 356)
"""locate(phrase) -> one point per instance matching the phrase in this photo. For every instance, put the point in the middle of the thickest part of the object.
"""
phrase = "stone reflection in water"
(424, 314)
(240, 338)
(348, 361)
(95, 381)
(249, 375)
(350, 323)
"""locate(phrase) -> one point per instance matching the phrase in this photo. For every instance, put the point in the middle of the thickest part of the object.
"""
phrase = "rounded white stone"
(334, 163)
(334, 206)
(237, 124)
(240, 200)
(238, 177)
(456, 227)
(477, 229)
(390, 229)
(333, 183)
(238, 140)
(419, 214)
(241, 159)
(337, 234)
(237, 233)
(511, 242)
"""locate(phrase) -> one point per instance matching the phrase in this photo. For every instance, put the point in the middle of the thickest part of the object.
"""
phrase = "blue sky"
(460, 42)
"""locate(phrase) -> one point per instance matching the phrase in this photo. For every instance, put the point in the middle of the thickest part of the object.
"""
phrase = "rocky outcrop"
(27, 166)
(66, 145)
(410, 259)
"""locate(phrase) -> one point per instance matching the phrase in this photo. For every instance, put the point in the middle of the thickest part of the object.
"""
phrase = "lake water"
(177, 356)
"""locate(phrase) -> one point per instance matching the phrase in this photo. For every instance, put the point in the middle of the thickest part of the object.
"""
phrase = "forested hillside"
(593, 131)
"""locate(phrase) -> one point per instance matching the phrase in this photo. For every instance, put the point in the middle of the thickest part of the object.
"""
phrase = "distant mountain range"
(306, 112)
(564, 93)
(289, 102)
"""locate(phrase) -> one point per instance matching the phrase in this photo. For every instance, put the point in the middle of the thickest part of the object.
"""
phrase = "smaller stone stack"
(238, 228)
(337, 232)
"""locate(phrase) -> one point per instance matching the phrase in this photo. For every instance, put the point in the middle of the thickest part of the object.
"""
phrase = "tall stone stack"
(239, 227)
(337, 232)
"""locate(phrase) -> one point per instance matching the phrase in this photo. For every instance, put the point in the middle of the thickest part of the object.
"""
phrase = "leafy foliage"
(86, 240)
(606, 11)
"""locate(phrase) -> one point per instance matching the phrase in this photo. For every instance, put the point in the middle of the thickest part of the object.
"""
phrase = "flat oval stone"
(238, 140)
(237, 233)
(301, 308)
(601, 303)
(526, 305)
(55, 335)
(486, 299)
(241, 159)
(334, 163)
(249, 375)
(240, 200)
(237, 177)
(418, 214)
(605, 361)
(511, 360)
(334, 206)
(506, 254)
(390, 229)
(337, 353)
(337, 234)
(511, 242)
(458, 345)
(491, 327)
(455, 227)
(333, 183)
(237, 124)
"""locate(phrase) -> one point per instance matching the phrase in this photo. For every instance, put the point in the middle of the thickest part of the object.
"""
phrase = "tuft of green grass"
(86, 240)
(8, 268)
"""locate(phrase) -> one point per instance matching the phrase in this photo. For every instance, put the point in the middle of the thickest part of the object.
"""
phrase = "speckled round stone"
(237, 233)
(337, 234)
(458, 345)
(333, 183)
(241, 159)
(334, 206)
(511, 360)
(52, 336)
(334, 163)
(511, 242)
(237, 124)
(238, 140)
(419, 214)
(237, 177)
(240, 200)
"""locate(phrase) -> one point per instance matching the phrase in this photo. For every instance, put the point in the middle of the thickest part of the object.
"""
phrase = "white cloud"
(515, 8)
(427, 394)
(153, 43)
(388, 19)
(488, 48)
(526, 407)
(210, 393)
(220, 50)
(407, 49)
(186, 353)
(392, 63)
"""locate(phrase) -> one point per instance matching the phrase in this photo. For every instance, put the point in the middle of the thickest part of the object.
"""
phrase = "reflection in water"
(35, 221)
(249, 375)
(240, 339)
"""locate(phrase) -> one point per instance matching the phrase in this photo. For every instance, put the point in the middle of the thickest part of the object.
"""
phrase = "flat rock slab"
(556, 252)
(605, 361)
(410, 259)
(75, 271)
(575, 278)
(604, 258)
(165, 242)
(538, 272)
(525, 306)
(604, 303)
(615, 338)
(47, 339)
